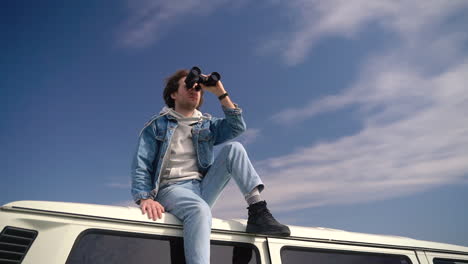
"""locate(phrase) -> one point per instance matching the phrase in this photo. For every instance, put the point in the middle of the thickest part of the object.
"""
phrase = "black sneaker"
(262, 222)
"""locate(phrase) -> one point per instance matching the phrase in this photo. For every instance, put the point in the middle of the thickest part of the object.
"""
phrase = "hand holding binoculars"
(195, 76)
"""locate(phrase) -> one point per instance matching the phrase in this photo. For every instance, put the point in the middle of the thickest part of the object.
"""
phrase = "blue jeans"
(191, 200)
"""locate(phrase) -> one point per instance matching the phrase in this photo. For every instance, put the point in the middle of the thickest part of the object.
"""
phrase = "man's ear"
(173, 95)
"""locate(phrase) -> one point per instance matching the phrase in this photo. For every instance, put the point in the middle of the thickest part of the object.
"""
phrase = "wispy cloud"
(412, 101)
(405, 148)
(118, 183)
(249, 136)
(312, 20)
(150, 19)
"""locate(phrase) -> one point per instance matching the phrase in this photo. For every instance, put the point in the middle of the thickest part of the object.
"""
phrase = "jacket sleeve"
(229, 127)
(143, 164)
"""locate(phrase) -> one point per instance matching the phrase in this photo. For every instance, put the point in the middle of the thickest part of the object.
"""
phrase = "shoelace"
(265, 213)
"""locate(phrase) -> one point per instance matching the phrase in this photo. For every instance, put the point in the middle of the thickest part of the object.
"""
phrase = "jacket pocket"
(160, 136)
(205, 135)
(205, 148)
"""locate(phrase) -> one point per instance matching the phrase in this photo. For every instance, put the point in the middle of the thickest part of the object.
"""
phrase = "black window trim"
(449, 259)
(153, 236)
(350, 252)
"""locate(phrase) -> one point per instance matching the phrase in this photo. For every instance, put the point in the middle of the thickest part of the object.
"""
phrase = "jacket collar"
(167, 112)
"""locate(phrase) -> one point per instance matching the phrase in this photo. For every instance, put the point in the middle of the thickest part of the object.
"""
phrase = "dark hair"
(172, 84)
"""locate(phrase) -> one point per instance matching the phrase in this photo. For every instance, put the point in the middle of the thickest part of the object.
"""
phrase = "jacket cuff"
(232, 111)
(142, 195)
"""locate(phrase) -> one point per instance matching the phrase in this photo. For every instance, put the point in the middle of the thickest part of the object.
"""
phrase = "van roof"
(133, 215)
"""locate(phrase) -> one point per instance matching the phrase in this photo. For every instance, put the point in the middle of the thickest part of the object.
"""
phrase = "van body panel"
(422, 257)
(60, 224)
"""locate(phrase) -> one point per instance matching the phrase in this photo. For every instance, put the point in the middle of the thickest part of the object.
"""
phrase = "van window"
(449, 261)
(298, 255)
(103, 247)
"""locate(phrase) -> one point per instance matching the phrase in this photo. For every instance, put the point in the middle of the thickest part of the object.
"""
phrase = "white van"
(36, 232)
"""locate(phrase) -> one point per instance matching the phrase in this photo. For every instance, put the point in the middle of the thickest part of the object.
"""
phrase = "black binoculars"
(195, 76)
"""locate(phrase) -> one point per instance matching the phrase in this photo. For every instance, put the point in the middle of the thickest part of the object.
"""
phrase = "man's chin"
(194, 103)
(191, 106)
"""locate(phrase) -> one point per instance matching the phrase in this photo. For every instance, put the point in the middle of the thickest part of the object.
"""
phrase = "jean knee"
(205, 211)
(235, 147)
(201, 212)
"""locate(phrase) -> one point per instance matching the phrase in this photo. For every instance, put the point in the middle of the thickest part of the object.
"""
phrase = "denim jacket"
(155, 139)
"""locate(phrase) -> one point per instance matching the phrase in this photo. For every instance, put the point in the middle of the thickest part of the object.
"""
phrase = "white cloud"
(412, 101)
(150, 19)
(115, 183)
(314, 20)
(249, 136)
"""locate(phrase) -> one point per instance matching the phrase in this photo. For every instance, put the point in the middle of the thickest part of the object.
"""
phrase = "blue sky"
(357, 111)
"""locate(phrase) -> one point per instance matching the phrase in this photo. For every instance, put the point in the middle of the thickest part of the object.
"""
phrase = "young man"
(174, 169)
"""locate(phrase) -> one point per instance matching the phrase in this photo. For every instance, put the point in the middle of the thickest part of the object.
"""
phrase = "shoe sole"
(257, 230)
